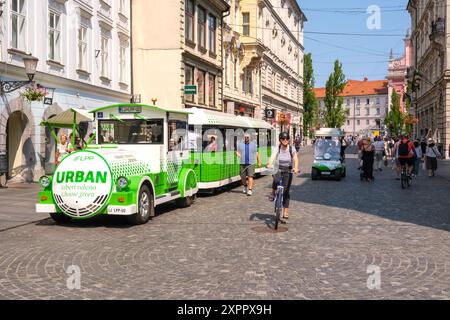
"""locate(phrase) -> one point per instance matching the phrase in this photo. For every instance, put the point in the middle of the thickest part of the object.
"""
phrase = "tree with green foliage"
(311, 105)
(334, 113)
(395, 117)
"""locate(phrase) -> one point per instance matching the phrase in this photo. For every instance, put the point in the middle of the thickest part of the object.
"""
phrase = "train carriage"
(134, 166)
(145, 156)
(221, 167)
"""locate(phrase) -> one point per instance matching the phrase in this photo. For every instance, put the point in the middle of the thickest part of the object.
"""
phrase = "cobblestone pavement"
(17, 205)
(216, 250)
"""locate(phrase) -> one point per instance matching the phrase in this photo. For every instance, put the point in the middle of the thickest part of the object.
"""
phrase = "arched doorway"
(15, 143)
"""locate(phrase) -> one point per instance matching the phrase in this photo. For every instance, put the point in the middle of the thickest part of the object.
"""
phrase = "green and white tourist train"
(144, 156)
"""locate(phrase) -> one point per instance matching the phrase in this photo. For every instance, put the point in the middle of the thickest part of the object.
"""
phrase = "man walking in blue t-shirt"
(247, 152)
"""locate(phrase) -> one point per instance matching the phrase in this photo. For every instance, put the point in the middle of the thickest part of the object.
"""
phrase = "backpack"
(404, 149)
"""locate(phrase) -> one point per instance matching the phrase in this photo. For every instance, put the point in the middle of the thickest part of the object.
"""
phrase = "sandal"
(286, 217)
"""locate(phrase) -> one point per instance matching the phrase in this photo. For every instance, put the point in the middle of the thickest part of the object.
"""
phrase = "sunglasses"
(284, 139)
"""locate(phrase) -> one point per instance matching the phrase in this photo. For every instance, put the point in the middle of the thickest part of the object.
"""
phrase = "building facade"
(279, 26)
(397, 73)
(83, 47)
(242, 64)
(366, 103)
(430, 58)
(178, 44)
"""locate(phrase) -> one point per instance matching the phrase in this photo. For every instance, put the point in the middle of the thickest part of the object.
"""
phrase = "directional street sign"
(190, 89)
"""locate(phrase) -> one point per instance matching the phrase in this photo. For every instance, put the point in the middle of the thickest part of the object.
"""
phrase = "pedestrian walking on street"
(298, 143)
(395, 160)
(432, 154)
(379, 153)
(248, 154)
(368, 157)
(388, 147)
(423, 146)
(418, 158)
(360, 145)
(344, 145)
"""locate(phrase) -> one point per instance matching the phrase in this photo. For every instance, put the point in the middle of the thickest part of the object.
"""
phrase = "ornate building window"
(189, 20)
(212, 90)
(54, 36)
(246, 24)
(18, 25)
(201, 75)
(201, 27)
(212, 34)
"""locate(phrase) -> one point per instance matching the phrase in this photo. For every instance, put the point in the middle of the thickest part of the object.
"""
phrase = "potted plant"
(34, 94)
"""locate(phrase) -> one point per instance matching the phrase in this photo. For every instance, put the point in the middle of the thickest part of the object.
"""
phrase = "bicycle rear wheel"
(404, 181)
(278, 207)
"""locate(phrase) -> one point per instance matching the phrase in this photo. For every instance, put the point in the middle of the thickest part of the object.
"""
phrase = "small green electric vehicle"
(327, 155)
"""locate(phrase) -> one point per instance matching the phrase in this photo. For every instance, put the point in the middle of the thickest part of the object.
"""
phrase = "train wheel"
(146, 207)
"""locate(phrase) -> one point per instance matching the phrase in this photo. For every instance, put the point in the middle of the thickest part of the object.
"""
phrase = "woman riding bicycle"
(285, 159)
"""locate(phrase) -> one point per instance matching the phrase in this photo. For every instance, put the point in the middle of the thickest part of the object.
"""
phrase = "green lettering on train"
(81, 177)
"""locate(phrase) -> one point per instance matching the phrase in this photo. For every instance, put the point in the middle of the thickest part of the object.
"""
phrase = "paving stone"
(336, 230)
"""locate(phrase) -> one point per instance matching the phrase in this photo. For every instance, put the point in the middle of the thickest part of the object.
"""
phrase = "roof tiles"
(359, 88)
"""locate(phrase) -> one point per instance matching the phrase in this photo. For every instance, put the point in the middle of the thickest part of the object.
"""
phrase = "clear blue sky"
(364, 55)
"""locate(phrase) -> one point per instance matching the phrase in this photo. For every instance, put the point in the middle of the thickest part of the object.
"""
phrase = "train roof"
(329, 132)
(209, 117)
(140, 105)
(66, 119)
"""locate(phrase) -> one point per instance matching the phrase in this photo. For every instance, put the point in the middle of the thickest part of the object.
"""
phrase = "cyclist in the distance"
(406, 152)
(284, 159)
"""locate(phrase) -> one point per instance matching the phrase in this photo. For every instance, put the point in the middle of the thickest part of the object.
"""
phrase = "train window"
(131, 131)
(177, 135)
(262, 138)
(194, 139)
(212, 139)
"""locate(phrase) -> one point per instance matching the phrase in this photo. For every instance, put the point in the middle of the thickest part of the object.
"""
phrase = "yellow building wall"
(250, 6)
(157, 52)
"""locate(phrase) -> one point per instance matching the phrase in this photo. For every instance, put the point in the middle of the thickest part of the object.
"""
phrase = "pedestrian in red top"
(406, 151)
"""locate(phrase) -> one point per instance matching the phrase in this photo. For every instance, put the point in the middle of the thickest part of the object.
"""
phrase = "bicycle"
(406, 179)
(278, 199)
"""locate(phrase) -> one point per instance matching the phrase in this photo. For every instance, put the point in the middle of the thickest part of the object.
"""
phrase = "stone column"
(446, 122)
(38, 139)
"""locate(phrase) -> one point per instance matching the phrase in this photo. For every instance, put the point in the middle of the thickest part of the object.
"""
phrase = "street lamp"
(30, 64)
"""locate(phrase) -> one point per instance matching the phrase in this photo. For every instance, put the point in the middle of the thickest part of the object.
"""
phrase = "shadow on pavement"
(268, 219)
(426, 203)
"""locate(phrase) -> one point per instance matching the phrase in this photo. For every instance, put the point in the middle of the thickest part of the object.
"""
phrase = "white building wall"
(73, 87)
(282, 72)
(357, 122)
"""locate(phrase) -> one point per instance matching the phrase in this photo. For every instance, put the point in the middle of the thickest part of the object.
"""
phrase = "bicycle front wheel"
(278, 208)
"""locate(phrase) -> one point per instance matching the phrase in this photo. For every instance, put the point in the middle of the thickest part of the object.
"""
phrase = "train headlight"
(122, 182)
(44, 181)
